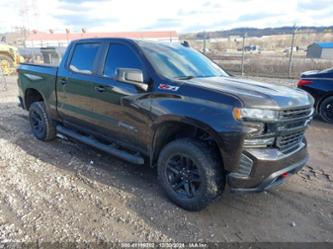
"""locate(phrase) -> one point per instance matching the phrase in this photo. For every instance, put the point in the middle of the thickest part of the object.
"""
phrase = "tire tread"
(215, 180)
(50, 130)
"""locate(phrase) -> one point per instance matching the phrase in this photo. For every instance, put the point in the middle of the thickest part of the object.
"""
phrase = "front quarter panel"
(207, 110)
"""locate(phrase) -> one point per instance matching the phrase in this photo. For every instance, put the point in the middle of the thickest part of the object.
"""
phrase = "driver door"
(121, 109)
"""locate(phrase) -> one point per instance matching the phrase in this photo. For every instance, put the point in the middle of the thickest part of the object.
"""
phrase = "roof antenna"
(186, 44)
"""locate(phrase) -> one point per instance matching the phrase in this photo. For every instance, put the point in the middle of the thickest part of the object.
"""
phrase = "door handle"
(100, 89)
(63, 81)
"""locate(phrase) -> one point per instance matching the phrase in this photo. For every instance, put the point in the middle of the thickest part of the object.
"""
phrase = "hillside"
(254, 32)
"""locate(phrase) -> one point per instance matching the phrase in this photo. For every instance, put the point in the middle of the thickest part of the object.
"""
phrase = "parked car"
(170, 107)
(320, 85)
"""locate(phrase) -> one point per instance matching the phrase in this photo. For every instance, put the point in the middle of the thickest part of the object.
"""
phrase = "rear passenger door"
(119, 113)
(75, 84)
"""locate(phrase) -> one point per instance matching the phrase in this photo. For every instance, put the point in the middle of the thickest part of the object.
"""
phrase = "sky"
(184, 16)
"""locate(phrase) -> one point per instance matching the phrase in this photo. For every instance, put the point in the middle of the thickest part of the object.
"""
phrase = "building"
(321, 50)
(42, 39)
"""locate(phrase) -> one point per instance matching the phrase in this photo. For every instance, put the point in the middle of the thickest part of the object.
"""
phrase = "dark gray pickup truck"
(170, 107)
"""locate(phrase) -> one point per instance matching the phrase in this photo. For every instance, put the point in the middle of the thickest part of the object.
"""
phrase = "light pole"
(205, 43)
(67, 35)
(83, 31)
(243, 53)
(291, 51)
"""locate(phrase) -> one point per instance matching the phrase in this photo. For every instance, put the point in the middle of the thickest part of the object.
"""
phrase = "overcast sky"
(180, 15)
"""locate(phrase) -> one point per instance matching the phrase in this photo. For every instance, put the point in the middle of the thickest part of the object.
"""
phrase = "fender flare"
(186, 121)
(25, 96)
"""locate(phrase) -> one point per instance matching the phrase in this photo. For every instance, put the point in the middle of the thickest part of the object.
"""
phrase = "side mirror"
(131, 76)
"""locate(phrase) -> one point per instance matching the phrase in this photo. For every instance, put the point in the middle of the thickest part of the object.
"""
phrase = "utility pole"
(243, 54)
(291, 51)
(67, 35)
(24, 10)
(205, 43)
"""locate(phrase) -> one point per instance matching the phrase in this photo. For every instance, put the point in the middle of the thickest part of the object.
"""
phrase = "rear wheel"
(190, 173)
(326, 109)
(41, 125)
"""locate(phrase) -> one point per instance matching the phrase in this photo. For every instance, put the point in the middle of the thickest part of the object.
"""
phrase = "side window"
(120, 56)
(84, 57)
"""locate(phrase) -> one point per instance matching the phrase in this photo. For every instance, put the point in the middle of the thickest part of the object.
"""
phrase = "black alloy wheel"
(326, 110)
(41, 125)
(191, 173)
(183, 176)
(37, 124)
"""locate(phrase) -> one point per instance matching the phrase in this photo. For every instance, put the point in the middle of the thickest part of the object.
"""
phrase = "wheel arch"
(32, 95)
(174, 127)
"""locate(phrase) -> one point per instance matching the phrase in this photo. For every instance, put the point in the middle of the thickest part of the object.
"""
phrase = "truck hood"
(255, 94)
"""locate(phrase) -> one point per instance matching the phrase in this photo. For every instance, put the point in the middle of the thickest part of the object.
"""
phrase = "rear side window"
(120, 56)
(84, 57)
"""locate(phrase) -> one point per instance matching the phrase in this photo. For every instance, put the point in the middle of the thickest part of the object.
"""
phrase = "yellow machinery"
(9, 58)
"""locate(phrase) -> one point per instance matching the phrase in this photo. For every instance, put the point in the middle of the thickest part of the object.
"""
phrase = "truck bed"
(38, 69)
(41, 78)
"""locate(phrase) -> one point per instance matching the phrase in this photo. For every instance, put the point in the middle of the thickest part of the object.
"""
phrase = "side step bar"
(103, 147)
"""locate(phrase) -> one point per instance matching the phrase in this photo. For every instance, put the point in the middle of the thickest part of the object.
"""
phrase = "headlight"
(255, 114)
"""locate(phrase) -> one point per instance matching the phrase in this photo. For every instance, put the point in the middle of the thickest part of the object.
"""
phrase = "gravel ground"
(66, 191)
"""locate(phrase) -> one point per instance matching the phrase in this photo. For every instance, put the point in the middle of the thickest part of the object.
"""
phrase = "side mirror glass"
(131, 76)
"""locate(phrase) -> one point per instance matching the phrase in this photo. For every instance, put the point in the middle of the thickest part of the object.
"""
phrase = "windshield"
(180, 62)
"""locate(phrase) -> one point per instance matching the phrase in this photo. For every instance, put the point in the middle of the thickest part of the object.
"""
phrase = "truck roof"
(104, 39)
(128, 40)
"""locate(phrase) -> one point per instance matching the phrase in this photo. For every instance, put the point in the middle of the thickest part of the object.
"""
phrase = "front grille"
(293, 127)
(287, 142)
(297, 113)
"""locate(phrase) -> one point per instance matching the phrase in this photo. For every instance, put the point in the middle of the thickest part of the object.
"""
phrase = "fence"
(267, 65)
(282, 56)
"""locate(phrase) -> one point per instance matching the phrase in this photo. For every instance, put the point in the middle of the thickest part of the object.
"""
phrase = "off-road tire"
(212, 177)
(46, 130)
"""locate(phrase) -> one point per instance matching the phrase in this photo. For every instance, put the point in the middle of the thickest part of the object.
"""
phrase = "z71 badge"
(168, 87)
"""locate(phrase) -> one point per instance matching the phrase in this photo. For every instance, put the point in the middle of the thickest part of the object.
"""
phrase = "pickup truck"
(168, 106)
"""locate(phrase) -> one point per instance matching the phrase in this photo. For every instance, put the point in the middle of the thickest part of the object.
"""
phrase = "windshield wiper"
(185, 77)
(197, 76)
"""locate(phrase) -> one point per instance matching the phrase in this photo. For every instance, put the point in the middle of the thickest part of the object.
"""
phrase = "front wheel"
(190, 173)
(326, 109)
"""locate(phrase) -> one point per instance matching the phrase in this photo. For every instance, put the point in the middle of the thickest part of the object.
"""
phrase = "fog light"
(254, 129)
(258, 142)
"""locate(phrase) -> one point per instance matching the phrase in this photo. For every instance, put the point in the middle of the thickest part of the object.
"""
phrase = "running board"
(110, 149)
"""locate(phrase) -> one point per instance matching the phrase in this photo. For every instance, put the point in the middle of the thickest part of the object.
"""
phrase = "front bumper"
(269, 169)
